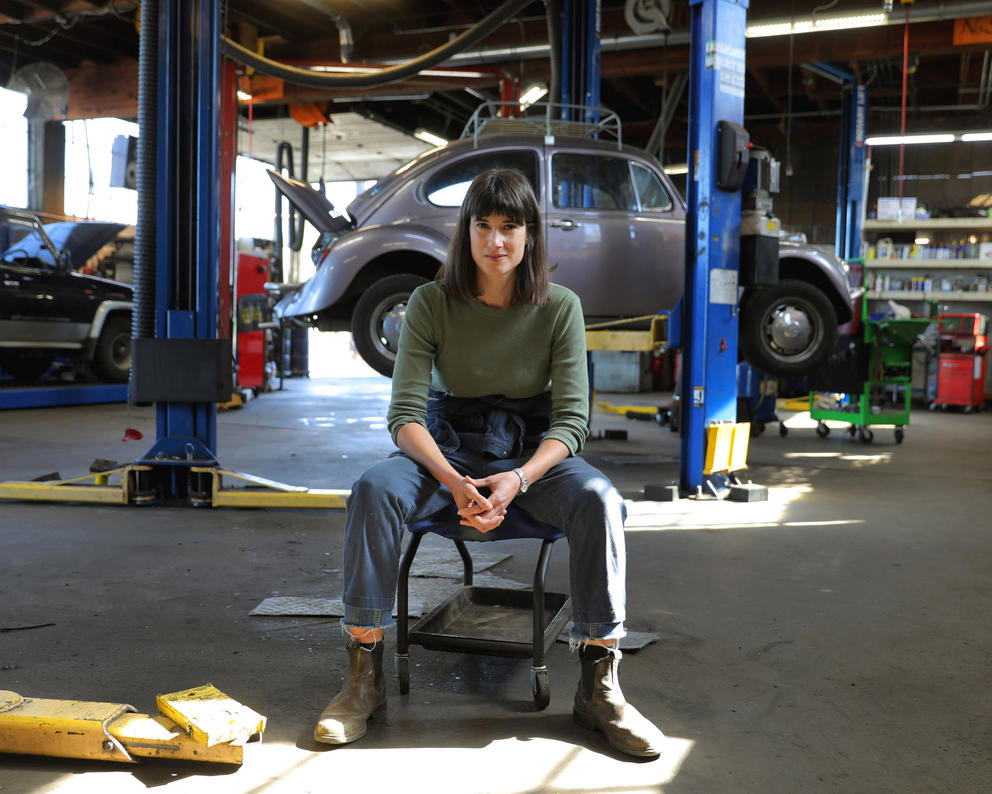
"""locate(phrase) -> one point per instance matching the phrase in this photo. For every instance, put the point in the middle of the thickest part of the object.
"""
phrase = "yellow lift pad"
(210, 716)
(116, 732)
(726, 447)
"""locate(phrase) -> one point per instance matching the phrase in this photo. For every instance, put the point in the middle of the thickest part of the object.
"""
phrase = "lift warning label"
(729, 64)
(723, 286)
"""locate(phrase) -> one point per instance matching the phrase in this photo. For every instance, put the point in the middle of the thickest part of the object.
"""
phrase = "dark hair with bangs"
(499, 191)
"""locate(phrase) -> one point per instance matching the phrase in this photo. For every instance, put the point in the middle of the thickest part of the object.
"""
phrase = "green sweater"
(471, 350)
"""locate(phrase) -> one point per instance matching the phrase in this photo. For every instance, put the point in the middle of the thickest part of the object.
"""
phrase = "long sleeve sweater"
(472, 350)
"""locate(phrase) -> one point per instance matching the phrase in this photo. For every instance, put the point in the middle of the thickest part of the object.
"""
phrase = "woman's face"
(497, 244)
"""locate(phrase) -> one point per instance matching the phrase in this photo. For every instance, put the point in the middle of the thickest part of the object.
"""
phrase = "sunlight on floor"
(645, 516)
(504, 766)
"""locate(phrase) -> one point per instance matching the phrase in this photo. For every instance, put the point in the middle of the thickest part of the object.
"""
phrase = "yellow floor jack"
(199, 724)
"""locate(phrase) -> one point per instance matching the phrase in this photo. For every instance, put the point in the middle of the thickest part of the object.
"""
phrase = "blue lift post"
(852, 159)
(187, 224)
(713, 219)
(580, 56)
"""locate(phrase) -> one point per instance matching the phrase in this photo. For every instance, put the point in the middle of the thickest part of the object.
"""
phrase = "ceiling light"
(922, 241)
(430, 137)
(244, 96)
(785, 27)
(893, 140)
(847, 23)
(531, 95)
(977, 136)
(678, 168)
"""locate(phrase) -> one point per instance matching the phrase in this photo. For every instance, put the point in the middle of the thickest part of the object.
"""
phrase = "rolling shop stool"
(485, 620)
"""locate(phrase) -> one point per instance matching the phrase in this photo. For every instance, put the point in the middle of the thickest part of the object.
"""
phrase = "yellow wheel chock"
(202, 724)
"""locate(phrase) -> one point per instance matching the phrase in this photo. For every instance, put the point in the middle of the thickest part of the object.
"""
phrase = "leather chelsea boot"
(362, 695)
(600, 705)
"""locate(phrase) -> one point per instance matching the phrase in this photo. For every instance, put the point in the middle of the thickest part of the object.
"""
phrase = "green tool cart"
(888, 344)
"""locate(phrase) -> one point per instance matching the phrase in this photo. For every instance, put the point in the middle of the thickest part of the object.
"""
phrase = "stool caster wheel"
(540, 687)
(402, 663)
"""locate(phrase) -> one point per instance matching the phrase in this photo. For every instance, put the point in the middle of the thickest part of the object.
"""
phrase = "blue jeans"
(572, 495)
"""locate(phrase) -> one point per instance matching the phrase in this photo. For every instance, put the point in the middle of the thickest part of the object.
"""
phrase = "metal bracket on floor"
(136, 486)
(116, 732)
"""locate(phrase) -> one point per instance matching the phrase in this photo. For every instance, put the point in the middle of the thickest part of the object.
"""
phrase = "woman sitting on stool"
(490, 392)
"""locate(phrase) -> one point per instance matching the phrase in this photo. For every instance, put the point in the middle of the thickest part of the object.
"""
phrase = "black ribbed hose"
(392, 74)
(143, 314)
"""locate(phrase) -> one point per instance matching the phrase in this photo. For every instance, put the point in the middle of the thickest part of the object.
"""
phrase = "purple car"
(615, 231)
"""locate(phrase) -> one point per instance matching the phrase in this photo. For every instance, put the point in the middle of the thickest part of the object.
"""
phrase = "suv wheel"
(378, 318)
(112, 358)
(787, 330)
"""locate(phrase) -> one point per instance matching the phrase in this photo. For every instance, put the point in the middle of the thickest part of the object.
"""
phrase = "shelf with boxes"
(933, 259)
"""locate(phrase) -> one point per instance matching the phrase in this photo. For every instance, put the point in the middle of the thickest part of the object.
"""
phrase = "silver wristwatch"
(524, 485)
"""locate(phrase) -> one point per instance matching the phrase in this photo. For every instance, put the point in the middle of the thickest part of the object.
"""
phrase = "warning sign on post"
(723, 286)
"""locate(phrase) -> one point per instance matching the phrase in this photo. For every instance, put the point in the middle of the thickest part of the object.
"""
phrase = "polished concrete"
(833, 639)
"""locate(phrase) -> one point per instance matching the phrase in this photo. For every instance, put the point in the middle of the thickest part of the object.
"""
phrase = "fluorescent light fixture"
(678, 168)
(531, 95)
(785, 27)
(244, 96)
(895, 140)
(848, 23)
(922, 241)
(977, 136)
(430, 137)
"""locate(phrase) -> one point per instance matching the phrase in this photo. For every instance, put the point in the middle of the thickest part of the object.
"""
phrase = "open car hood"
(312, 203)
(77, 240)
(81, 239)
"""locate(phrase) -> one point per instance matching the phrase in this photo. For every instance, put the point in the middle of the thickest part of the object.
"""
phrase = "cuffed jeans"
(572, 495)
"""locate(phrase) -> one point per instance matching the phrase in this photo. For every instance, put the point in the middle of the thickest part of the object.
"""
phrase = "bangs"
(502, 195)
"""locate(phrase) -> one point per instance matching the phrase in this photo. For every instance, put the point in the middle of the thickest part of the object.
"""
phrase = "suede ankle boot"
(362, 695)
(600, 705)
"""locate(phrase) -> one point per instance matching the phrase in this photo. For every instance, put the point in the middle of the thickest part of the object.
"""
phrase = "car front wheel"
(378, 318)
(112, 357)
(787, 330)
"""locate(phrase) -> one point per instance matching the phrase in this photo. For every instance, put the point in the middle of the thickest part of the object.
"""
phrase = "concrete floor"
(833, 639)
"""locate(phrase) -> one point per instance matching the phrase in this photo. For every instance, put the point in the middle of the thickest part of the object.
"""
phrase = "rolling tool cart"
(961, 361)
(880, 356)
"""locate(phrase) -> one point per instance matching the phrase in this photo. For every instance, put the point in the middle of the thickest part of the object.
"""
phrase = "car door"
(42, 305)
(615, 232)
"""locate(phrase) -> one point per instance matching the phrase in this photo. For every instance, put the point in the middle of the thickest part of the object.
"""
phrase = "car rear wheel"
(787, 330)
(378, 318)
(112, 357)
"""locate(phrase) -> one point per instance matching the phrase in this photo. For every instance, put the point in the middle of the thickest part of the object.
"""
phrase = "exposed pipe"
(143, 313)
(392, 74)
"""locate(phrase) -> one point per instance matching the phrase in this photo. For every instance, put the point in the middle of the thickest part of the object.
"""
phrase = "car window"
(448, 186)
(589, 181)
(650, 191)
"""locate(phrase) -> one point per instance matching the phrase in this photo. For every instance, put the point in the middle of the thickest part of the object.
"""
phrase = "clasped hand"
(485, 513)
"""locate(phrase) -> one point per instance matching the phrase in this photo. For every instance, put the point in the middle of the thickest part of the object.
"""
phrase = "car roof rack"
(542, 118)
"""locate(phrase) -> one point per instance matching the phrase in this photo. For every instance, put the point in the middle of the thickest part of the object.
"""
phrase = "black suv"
(48, 309)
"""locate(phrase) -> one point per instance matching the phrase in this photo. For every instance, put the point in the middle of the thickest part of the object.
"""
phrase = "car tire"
(787, 330)
(112, 357)
(378, 318)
